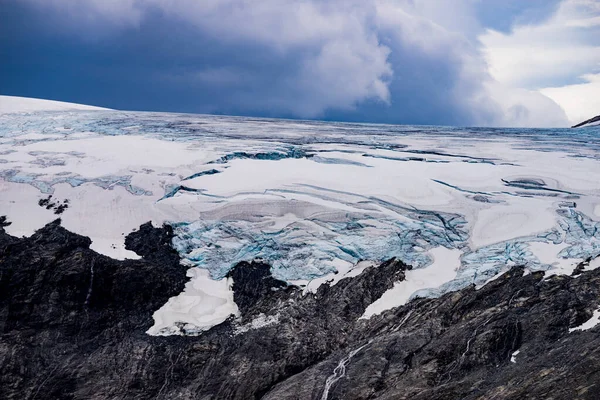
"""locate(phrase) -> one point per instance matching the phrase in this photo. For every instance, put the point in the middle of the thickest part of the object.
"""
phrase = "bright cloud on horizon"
(396, 61)
(559, 57)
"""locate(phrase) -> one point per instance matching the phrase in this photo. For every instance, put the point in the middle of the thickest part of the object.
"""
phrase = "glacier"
(315, 200)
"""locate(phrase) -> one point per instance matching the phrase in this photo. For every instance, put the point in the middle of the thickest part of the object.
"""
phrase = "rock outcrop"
(589, 122)
(73, 322)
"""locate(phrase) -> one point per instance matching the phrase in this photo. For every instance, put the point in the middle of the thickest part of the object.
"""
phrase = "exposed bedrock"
(589, 122)
(73, 322)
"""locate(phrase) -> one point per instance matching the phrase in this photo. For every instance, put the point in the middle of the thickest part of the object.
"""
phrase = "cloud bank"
(394, 61)
(560, 57)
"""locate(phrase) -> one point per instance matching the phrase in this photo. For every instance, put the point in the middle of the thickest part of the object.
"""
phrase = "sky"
(517, 63)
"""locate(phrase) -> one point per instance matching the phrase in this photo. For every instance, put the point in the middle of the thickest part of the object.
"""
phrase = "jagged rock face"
(589, 122)
(252, 283)
(72, 325)
(460, 346)
(66, 311)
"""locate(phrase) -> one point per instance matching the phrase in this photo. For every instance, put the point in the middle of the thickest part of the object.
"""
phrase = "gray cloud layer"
(397, 61)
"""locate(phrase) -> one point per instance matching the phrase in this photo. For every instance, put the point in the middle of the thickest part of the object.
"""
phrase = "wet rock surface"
(73, 322)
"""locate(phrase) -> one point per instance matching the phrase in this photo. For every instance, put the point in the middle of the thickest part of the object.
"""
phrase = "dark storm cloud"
(386, 61)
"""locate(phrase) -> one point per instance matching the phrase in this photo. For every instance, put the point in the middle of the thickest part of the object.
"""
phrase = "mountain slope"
(14, 104)
(72, 325)
(590, 122)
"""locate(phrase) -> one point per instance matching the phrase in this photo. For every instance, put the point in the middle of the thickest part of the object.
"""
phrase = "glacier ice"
(308, 249)
(311, 198)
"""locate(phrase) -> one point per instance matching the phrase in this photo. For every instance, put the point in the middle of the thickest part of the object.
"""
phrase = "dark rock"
(253, 283)
(587, 122)
(581, 267)
(150, 242)
(50, 204)
(4, 222)
(73, 322)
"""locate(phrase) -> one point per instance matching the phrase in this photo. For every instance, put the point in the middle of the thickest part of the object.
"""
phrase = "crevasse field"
(317, 201)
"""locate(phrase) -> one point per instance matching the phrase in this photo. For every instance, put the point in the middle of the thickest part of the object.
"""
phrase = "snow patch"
(513, 357)
(548, 253)
(260, 321)
(15, 104)
(589, 324)
(595, 263)
(343, 270)
(203, 304)
(445, 264)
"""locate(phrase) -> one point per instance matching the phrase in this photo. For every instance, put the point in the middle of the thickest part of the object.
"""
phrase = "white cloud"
(491, 103)
(526, 108)
(580, 101)
(557, 57)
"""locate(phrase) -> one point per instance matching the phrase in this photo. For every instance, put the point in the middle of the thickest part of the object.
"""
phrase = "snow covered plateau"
(318, 201)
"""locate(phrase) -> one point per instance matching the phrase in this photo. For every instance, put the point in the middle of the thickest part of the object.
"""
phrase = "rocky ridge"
(73, 322)
(589, 122)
